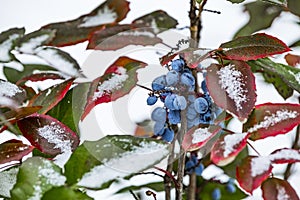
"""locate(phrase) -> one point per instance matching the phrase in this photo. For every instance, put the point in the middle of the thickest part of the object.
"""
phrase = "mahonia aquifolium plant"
(176, 90)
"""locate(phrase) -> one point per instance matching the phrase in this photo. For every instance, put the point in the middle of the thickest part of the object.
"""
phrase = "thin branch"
(252, 147)
(146, 173)
(167, 179)
(134, 196)
(192, 186)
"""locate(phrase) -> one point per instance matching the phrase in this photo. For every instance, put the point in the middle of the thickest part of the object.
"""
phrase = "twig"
(169, 175)
(252, 147)
(150, 193)
(134, 196)
(144, 87)
(192, 186)
(146, 173)
(167, 179)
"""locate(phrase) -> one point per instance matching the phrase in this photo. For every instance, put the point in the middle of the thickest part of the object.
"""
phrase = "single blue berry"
(179, 103)
(168, 135)
(199, 169)
(187, 79)
(151, 100)
(189, 166)
(169, 101)
(194, 159)
(204, 86)
(178, 65)
(191, 112)
(159, 83)
(216, 194)
(201, 105)
(159, 128)
(174, 116)
(230, 187)
(159, 114)
(172, 78)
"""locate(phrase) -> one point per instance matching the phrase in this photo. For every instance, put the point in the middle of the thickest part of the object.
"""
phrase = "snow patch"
(154, 26)
(8, 180)
(231, 80)
(8, 89)
(274, 119)
(127, 163)
(30, 45)
(104, 16)
(114, 83)
(286, 154)
(230, 141)
(281, 193)
(137, 33)
(200, 135)
(6, 46)
(259, 165)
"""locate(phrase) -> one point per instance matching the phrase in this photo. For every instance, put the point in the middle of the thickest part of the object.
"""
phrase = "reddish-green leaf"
(252, 172)
(252, 47)
(194, 56)
(50, 97)
(40, 77)
(79, 30)
(272, 119)
(281, 156)
(13, 150)
(11, 94)
(292, 60)
(196, 138)
(227, 147)
(117, 81)
(20, 113)
(232, 88)
(7, 43)
(48, 134)
(277, 189)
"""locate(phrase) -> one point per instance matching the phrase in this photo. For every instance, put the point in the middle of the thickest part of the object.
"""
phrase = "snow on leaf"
(252, 172)
(285, 156)
(252, 47)
(7, 43)
(8, 180)
(10, 92)
(272, 119)
(277, 189)
(227, 147)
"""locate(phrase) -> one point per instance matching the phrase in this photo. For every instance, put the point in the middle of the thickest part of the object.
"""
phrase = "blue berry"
(172, 78)
(178, 65)
(179, 103)
(204, 86)
(199, 169)
(159, 128)
(191, 112)
(191, 98)
(159, 83)
(201, 105)
(159, 114)
(168, 135)
(151, 100)
(189, 166)
(194, 159)
(230, 187)
(169, 101)
(216, 194)
(174, 116)
(163, 96)
(187, 79)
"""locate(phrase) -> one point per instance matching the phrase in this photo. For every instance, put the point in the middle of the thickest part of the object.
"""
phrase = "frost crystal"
(259, 165)
(104, 16)
(274, 119)
(285, 154)
(230, 141)
(230, 80)
(5, 48)
(30, 45)
(281, 193)
(200, 135)
(114, 83)
(133, 161)
(8, 89)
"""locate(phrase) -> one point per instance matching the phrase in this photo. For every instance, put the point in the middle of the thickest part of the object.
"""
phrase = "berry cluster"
(176, 90)
(194, 165)
(230, 187)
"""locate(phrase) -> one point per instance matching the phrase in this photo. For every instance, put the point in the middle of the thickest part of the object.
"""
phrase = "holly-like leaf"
(30, 42)
(275, 189)
(117, 37)
(118, 80)
(40, 77)
(60, 60)
(48, 134)
(252, 172)
(232, 88)
(79, 30)
(227, 147)
(11, 92)
(8, 180)
(285, 155)
(196, 138)
(118, 156)
(50, 97)
(158, 21)
(252, 47)
(272, 119)
(36, 176)
(258, 19)
(13, 150)
(292, 59)
(65, 193)
(8, 41)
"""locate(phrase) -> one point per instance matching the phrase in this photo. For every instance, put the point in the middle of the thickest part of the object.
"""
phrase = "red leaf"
(277, 189)
(196, 138)
(232, 87)
(285, 155)
(40, 77)
(79, 30)
(252, 172)
(253, 47)
(118, 80)
(20, 113)
(227, 147)
(272, 119)
(292, 60)
(167, 58)
(194, 56)
(48, 134)
(13, 150)
(50, 97)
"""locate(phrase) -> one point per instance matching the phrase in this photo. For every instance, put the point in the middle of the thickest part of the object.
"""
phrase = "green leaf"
(294, 7)
(8, 180)
(252, 47)
(277, 2)
(36, 176)
(236, 1)
(65, 193)
(290, 75)
(112, 157)
(157, 187)
(71, 107)
(262, 16)
(7, 43)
